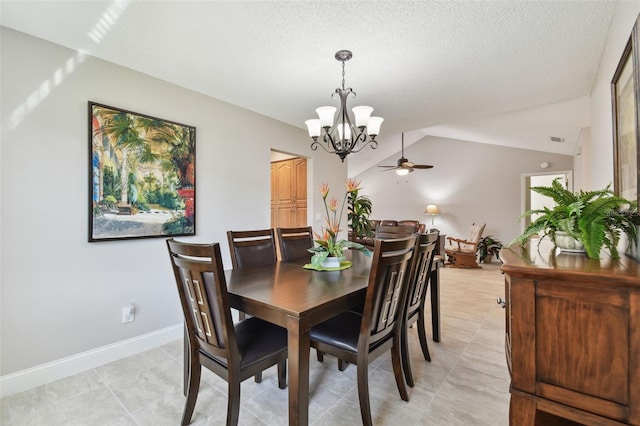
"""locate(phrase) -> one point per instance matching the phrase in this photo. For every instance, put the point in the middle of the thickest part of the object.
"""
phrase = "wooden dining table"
(295, 298)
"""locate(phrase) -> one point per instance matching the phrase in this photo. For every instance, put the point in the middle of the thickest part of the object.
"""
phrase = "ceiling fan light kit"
(341, 134)
(404, 166)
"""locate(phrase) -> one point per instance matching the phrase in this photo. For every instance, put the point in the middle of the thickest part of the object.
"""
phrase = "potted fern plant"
(582, 221)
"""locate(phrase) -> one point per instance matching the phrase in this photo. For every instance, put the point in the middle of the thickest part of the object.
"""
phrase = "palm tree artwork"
(142, 175)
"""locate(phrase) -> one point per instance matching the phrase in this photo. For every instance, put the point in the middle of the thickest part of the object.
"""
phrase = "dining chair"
(395, 231)
(385, 230)
(251, 248)
(361, 338)
(233, 352)
(294, 242)
(416, 295)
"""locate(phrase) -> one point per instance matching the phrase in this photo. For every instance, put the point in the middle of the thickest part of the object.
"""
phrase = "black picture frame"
(142, 175)
(625, 98)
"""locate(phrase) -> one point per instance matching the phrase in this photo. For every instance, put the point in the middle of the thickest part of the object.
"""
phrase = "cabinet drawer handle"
(500, 301)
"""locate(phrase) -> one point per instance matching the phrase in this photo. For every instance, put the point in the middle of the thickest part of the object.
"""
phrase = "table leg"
(298, 341)
(435, 301)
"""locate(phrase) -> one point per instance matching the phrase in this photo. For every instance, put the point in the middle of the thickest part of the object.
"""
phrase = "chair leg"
(233, 403)
(282, 374)
(397, 368)
(258, 377)
(192, 390)
(320, 355)
(363, 393)
(241, 315)
(422, 334)
(342, 364)
(406, 361)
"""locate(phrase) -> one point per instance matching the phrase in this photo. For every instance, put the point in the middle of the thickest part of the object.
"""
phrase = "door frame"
(525, 199)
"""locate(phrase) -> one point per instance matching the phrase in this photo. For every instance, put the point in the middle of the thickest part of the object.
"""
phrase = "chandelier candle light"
(339, 133)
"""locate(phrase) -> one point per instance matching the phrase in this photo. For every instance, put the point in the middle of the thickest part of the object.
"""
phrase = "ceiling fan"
(405, 166)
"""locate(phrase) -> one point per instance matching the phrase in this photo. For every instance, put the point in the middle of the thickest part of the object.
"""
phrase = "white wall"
(62, 295)
(470, 182)
(601, 121)
(582, 161)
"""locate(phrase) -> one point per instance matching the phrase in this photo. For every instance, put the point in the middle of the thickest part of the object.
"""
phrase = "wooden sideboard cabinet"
(572, 337)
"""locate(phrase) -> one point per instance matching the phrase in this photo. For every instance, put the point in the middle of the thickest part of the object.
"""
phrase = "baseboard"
(74, 364)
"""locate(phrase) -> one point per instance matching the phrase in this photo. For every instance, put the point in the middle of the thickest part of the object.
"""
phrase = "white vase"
(331, 262)
(568, 244)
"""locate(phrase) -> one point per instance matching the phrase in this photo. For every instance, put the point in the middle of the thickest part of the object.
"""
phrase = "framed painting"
(625, 95)
(142, 175)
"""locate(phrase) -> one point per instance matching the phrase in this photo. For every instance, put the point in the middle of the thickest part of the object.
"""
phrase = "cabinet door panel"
(284, 182)
(575, 348)
(300, 172)
(285, 215)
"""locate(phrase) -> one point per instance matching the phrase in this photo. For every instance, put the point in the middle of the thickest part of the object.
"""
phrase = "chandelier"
(343, 135)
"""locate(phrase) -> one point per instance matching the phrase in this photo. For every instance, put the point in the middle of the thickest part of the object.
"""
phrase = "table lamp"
(432, 209)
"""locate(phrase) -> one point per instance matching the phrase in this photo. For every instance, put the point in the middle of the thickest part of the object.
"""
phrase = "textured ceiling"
(456, 65)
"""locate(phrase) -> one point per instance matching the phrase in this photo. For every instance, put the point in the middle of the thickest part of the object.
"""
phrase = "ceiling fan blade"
(404, 164)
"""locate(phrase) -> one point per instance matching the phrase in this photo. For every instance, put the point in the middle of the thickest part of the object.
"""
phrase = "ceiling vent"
(556, 139)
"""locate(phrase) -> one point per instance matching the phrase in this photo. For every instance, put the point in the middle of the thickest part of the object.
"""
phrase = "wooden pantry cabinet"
(572, 337)
(289, 193)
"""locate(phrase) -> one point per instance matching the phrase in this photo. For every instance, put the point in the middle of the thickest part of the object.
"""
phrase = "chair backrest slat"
(421, 271)
(252, 248)
(387, 289)
(295, 242)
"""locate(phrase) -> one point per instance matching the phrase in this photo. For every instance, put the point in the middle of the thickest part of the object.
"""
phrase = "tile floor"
(466, 383)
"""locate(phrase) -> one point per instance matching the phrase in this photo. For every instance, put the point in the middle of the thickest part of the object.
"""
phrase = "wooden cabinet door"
(300, 215)
(300, 180)
(289, 193)
(284, 216)
(284, 182)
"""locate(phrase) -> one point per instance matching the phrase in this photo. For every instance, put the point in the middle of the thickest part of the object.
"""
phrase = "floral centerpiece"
(328, 244)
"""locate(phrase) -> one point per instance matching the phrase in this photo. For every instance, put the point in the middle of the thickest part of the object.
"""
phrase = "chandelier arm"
(331, 141)
(316, 144)
(355, 138)
(373, 142)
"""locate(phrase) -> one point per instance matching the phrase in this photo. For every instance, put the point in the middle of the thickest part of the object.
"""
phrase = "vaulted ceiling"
(508, 72)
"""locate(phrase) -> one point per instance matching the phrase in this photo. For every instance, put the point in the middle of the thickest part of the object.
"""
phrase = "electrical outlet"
(129, 313)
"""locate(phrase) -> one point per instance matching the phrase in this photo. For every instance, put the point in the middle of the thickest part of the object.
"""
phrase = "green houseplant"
(596, 219)
(488, 247)
(358, 211)
(328, 244)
